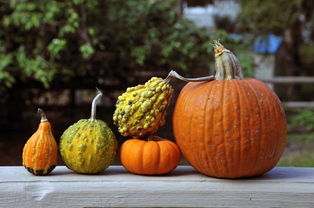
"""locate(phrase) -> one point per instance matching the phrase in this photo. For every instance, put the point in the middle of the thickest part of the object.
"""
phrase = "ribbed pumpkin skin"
(230, 128)
(40, 152)
(149, 157)
(88, 146)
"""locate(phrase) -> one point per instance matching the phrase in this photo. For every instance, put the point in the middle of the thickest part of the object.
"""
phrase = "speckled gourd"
(88, 146)
(141, 109)
(40, 153)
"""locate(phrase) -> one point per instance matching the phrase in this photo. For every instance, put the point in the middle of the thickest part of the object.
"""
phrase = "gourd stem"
(227, 65)
(154, 138)
(94, 103)
(174, 74)
(43, 115)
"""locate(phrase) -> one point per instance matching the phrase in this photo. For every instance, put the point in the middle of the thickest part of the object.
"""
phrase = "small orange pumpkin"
(156, 156)
(229, 127)
(40, 152)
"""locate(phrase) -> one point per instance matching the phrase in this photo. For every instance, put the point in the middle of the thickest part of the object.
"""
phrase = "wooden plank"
(296, 104)
(289, 79)
(148, 74)
(281, 187)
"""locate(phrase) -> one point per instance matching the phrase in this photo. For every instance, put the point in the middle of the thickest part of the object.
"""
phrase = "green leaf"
(6, 78)
(66, 29)
(139, 54)
(56, 46)
(5, 60)
(87, 50)
(78, 2)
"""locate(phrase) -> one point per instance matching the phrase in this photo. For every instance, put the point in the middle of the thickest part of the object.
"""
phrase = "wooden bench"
(281, 187)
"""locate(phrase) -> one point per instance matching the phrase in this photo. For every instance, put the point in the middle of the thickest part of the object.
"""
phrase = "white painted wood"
(281, 187)
(204, 16)
(264, 67)
(289, 80)
(299, 104)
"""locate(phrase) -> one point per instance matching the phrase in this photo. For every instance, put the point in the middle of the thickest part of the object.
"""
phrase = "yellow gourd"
(141, 109)
(88, 146)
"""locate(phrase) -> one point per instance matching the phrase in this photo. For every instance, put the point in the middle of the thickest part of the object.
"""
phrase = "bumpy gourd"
(141, 109)
(88, 146)
(40, 152)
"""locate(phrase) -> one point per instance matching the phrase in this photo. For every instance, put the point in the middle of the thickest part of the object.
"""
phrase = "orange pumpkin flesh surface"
(155, 157)
(40, 152)
(229, 128)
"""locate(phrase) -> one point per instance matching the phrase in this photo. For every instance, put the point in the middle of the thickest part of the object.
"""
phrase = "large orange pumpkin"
(229, 127)
(156, 156)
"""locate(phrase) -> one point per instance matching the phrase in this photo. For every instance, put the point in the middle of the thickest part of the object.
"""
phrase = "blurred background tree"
(293, 20)
(47, 40)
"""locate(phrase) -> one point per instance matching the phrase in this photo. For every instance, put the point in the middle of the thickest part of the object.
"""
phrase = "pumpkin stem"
(174, 74)
(226, 63)
(94, 103)
(226, 67)
(154, 138)
(43, 115)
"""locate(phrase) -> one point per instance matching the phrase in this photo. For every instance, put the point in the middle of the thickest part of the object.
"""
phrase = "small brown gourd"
(40, 152)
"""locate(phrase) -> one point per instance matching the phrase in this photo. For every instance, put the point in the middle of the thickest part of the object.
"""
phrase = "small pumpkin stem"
(94, 103)
(154, 138)
(226, 63)
(174, 74)
(43, 115)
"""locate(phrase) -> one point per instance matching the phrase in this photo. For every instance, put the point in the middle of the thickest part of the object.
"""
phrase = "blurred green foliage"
(303, 118)
(45, 40)
(263, 16)
(297, 159)
(299, 151)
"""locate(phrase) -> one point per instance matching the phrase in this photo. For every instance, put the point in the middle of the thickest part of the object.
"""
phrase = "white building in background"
(263, 52)
(204, 16)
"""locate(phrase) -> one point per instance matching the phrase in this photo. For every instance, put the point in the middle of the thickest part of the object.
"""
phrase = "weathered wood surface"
(298, 104)
(290, 80)
(281, 187)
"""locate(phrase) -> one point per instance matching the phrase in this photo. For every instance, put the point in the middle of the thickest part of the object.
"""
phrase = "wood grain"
(281, 187)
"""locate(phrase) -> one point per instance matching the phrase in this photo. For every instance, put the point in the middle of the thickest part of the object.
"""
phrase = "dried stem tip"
(43, 115)
(219, 48)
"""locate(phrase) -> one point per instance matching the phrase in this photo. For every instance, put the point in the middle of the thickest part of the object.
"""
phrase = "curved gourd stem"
(227, 67)
(174, 74)
(94, 103)
(43, 115)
